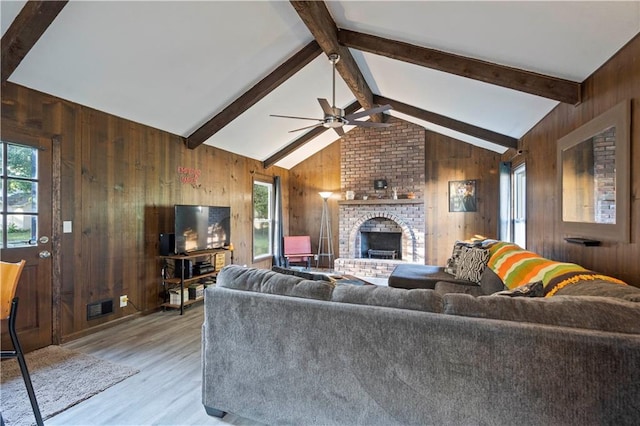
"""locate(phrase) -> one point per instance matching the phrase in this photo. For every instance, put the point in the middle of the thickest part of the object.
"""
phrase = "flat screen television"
(201, 228)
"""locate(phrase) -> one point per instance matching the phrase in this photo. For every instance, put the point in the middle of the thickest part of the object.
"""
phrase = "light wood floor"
(165, 347)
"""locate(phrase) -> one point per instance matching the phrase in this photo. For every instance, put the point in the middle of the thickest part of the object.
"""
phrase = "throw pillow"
(452, 262)
(471, 264)
(450, 267)
(535, 289)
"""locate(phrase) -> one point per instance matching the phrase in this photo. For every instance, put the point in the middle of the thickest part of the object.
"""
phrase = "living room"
(116, 181)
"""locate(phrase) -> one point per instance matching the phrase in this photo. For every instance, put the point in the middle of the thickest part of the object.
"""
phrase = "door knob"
(44, 254)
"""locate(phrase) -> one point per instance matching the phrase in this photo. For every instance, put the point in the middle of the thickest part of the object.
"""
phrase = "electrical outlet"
(123, 300)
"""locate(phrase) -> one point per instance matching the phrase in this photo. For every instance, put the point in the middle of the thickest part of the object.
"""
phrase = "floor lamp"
(325, 243)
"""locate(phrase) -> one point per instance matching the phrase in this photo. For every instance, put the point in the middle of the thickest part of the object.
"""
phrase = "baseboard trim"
(87, 331)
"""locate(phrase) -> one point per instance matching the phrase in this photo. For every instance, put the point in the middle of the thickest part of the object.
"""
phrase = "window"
(18, 195)
(519, 220)
(262, 219)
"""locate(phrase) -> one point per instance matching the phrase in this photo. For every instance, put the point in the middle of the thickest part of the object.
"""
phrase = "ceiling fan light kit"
(334, 117)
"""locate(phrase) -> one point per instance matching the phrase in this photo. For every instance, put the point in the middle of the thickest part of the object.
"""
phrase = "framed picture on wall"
(462, 196)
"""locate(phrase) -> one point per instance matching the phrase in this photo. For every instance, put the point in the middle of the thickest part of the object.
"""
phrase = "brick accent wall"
(396, 154)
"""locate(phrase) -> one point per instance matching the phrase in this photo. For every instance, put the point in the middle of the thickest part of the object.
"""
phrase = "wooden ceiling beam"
(32, 21)
(302, 140)
(450, 123)
(317, 18)
(255, 94)
(513, 78)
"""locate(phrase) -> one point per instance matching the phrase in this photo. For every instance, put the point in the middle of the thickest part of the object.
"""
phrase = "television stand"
(178, 275)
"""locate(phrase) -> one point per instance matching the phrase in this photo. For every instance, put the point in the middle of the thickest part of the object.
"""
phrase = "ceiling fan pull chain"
(334, 57)
(333, 105)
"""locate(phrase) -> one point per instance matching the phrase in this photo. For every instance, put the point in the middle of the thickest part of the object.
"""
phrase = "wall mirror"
(593, 177)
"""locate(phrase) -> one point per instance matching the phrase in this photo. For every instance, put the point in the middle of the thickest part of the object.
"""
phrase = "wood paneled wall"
(119, 183)
(615, 81)
(449, 159)
(320, 172)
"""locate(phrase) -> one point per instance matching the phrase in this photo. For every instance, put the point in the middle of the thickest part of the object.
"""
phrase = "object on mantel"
(583, 241)
(374, 200)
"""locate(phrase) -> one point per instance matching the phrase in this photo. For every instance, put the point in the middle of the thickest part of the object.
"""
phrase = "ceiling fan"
(334, 117)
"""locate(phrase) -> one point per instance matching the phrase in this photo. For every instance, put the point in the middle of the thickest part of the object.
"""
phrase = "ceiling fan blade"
(326, 107)
(368, 124)
(339, 131)
(306, 127)
(371, 111)
(298, 118)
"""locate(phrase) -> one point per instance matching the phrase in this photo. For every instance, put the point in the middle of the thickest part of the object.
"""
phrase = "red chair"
(298, 249)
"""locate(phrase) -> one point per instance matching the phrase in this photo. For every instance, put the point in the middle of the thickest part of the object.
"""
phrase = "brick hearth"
(378, 268)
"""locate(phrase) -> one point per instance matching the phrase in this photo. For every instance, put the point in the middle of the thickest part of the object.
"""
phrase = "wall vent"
(98, 309)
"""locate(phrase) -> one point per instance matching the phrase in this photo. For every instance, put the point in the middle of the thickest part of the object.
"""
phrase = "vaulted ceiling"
(213, 71)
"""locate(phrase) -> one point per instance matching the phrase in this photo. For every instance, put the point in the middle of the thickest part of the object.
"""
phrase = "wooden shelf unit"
(181, 281)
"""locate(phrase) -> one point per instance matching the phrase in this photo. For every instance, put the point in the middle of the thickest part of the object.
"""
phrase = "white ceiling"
(175, 64)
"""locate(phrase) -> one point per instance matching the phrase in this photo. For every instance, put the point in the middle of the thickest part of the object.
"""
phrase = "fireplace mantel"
(379, 201)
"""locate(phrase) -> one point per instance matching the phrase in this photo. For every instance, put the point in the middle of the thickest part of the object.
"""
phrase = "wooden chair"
(9, 277)
(298, 249)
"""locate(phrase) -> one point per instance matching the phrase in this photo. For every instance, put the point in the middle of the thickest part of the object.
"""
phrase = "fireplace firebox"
(381, 245)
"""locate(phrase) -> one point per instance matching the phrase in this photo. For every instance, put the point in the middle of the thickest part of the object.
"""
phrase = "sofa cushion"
(302, 274)
(411, 275)
(281, 270)
(416, 299)
(588, 283)
(471, 263)
(265, 281)
(596, 313)
(595, 285)
(311, 276)
(444, 287)
(490, 282)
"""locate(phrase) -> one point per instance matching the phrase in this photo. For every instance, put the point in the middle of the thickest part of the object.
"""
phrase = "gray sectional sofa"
(279, 349)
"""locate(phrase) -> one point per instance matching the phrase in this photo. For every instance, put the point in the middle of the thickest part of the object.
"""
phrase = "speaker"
(188, 267)
(167, 244)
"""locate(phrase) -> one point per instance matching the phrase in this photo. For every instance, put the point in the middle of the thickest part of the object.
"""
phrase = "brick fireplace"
(397, 155)
(382, 216)
(407, 218)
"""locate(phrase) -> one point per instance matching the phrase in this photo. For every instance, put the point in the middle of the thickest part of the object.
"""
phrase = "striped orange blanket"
(516, 267)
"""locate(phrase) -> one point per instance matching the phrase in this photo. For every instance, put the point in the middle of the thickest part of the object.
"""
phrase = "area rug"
(61, 378)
